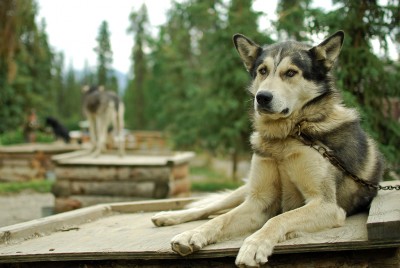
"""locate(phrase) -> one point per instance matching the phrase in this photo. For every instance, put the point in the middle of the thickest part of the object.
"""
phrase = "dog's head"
(86, 89)
(287, 76)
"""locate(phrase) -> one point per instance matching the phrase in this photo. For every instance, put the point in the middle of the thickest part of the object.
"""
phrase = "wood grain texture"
(107, 173)
(124, 231)
(82, 158)
(39, 147)
(384, 215)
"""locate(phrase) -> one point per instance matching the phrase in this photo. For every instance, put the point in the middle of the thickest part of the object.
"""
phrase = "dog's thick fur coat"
(291, 188)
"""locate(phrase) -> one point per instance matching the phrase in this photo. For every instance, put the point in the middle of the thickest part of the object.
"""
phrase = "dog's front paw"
(254, 252)
(166, 218)
(188, 242)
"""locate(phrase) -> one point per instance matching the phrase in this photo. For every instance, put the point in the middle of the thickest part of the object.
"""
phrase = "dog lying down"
(292, 188)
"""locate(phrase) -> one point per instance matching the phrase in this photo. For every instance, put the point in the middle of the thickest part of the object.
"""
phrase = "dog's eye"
(263, 71)
(291, 73)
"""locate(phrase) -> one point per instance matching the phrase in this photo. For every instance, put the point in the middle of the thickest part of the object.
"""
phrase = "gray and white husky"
(292, 188)
(103, 108)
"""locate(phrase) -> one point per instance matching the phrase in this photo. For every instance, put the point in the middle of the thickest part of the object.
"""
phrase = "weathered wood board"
(384, 214)
(27, 148)
(124, 231)
(85, 159)
(28, 161)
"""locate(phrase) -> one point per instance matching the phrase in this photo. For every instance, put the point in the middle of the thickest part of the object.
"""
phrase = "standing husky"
(102, 109)
(292, 188)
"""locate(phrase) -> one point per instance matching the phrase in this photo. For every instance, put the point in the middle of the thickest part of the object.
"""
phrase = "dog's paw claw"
(182, 250)
(254, 253)
(188, 242)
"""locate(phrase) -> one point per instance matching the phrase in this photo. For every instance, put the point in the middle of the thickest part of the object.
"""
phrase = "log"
(63, 188)
(101, 173)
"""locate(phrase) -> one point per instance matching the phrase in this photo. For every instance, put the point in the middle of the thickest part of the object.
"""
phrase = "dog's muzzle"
(264, 103)
(263, 100)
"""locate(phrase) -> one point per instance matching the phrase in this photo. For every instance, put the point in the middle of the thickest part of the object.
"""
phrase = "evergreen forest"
(187, 79)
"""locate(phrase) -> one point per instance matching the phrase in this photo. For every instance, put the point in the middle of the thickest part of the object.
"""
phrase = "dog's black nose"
(264, 98)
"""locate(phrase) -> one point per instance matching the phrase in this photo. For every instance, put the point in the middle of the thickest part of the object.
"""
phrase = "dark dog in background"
(60, 131)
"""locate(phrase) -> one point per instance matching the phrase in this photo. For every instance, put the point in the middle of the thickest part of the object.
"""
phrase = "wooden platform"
(28, 161)
(122, 235)
(84, 180)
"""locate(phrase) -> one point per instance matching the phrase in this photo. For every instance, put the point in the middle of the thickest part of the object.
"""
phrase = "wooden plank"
(115, 160)
(39, 147)
(48, 225)
(11, 174)
(15, 162)
(110, 188)
(60, 157)
(127, 160)
(384, 215)
(180, 158)
(90, 200)
(108, 173)
(124, 231)
(152, 205)
(132, 236)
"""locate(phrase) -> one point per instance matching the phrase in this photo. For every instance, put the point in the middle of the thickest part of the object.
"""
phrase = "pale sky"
(73, 25)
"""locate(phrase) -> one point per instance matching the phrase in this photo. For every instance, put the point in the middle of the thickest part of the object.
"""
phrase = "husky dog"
(292, 188)
(102, 109)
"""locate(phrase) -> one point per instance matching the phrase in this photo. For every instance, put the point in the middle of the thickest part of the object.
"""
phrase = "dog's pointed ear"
(329, 49)
(248, 50)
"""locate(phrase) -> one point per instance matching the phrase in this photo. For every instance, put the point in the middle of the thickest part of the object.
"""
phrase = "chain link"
(309, 141)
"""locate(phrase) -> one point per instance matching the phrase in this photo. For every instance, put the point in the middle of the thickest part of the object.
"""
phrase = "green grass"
(17, 137)
(40, 186)
(212, 182)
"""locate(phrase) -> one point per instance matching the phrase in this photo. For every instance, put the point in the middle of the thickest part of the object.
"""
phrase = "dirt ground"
(24, 206)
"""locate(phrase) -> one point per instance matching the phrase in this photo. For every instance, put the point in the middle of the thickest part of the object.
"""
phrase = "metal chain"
(309, 141)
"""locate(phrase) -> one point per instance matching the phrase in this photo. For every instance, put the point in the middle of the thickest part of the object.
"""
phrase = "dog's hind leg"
(92, 131)
(120, 128)
(102, 122)
(216, 204)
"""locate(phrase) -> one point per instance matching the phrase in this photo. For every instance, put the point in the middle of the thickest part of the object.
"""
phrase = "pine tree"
(135, 94)
(228, 127)
(292, 15)
(104, 57)
(25, 64)
(369, 81)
